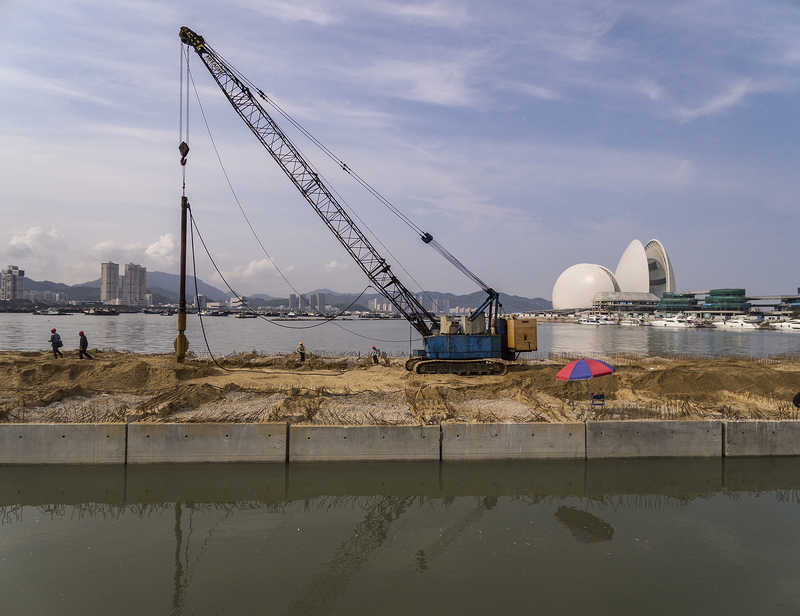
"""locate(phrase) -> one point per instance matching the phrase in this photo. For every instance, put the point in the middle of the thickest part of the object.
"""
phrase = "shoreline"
(257, 389)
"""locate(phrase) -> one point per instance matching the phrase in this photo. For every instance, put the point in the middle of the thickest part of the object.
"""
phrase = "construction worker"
(375, 354)
(83, 344)
(301, 351)
(55, 342)
(796, 400)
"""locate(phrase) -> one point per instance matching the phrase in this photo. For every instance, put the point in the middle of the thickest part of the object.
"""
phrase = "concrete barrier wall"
(653, 439)
(509, 441)
(62, 443)
(330, 443)
(196, 442)
(762, 438)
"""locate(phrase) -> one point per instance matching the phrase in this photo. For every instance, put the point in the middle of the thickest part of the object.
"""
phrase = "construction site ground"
(120, 387)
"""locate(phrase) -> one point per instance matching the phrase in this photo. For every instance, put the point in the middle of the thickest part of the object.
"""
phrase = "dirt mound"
(349, 390)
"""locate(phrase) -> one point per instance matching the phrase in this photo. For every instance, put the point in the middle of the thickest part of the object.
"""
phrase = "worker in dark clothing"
(55, 341)
(375, 354)
(82, 346)
(796, 400)
(301, 351)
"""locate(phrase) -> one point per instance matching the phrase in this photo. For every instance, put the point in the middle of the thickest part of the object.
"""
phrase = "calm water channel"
(155, 333)
(706, 537)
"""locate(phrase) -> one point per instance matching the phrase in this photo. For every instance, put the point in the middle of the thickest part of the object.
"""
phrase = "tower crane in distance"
(482, 343)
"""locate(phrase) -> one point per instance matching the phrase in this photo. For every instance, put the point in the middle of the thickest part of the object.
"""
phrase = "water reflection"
(652, 341)
(320, 539)
(584, 526)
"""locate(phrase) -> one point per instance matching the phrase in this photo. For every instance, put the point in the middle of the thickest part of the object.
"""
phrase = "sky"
(525, 136)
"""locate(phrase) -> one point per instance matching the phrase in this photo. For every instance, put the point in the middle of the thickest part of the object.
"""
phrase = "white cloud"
(650, 89)
(252, 269)
(440, 83)
(292, 11)
(15, 79)
(163, 249)
(534, 91)
(31, 240)
(731, 97)
(438, 12)
(334, 265)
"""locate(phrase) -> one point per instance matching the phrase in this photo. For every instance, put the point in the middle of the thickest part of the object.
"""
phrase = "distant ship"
(102, 311)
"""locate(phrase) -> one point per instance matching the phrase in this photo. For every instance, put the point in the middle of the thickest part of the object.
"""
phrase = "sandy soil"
(154, 388)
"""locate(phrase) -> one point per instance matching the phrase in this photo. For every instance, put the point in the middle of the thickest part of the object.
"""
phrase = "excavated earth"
(118, 387)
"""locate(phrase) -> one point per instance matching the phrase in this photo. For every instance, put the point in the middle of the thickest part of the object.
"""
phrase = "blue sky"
(526, 136)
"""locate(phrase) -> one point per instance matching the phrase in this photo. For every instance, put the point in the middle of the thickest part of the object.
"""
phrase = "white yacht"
(792, 325)
(737, 323)
(589, 319)
(674, 321)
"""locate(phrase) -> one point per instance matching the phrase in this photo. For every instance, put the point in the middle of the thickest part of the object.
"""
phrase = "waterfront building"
(134, 285)
(109, 282)
(726, 300)
(318, 302)
(622, 301)
(12, 283)
(294, 301)
(642, 269)
(441, 305)
(678, 302)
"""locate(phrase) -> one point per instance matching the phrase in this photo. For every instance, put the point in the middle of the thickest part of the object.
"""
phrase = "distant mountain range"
(165, 287)
(511, 303)
(168, 285)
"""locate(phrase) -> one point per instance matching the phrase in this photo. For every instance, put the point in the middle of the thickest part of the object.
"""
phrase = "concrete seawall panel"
(213, 442)
(653, 439)
(339, 443)
(762, 438)
(513, 441)
(62, 443)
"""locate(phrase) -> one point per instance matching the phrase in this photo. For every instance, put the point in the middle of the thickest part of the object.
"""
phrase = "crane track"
(461, 367)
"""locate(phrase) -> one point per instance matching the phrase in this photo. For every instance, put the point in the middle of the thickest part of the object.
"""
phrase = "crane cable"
(247, 220)
(242, 300)
(183, 136)
(205, 337)
(233, 191)
(424, 236)
(325, 149)
(181, 123)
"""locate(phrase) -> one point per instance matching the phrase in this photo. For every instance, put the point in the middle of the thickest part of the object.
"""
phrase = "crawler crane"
(481, 343)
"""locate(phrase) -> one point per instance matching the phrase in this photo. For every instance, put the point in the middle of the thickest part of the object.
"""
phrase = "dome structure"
(632, 274)
(661, 275)
(642, 270)
(576, 287)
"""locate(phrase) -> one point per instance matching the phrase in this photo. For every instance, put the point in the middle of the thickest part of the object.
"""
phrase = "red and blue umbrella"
(582, 369)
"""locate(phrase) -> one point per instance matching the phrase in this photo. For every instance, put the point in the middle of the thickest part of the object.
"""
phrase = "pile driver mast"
(476, 351)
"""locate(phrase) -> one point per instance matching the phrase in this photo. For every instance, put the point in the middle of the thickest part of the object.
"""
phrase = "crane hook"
(183, 148)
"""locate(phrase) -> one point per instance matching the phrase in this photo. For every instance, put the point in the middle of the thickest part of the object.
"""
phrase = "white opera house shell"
(642, 269)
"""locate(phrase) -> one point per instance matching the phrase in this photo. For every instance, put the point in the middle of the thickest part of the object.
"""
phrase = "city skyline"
(553, 132)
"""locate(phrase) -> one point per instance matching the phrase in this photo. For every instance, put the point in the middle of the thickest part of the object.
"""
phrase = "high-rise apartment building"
(318, 302)
(134, 285)
(294, 301)
(11, 283)
(109, 282)
(441, 305)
